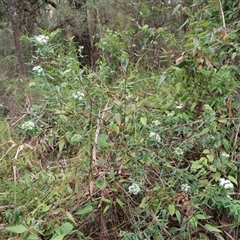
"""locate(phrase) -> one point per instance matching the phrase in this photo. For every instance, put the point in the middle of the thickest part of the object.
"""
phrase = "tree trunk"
(16, 35)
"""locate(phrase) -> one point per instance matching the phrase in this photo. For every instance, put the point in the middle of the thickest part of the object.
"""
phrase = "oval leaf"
(171, 209)
(70, 216)
(232, 179)
(143, 120)
(85, 210)
(212, 228)
(66, 228)
(59, 237)
(17, 229)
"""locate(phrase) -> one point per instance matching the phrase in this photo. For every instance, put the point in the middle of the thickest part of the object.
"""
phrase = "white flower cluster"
(225, 183)
(41, 39)
(207, 107)
(178, 151)
(29, 125)
(225, 155)
(185, 187)
(78, 95)
(134, 189)
(155, 136)
(66, 71)
(32, 84)
(38, 69)
(156, 122)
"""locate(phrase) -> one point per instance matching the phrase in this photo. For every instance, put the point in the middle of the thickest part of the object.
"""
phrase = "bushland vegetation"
(119, 120)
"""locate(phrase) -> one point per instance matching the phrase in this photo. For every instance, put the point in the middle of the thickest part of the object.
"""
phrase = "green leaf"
(17, 229)
(16, 214)
(45, 207)
(105, 209)
(106, 200)
(117, 118)
(222, 120)
(61, 144)
(59, 237)
(102, 140)
(212, 228)
(33, 237)
(210, 157)
(161, 80)
(201, 216)
(8, 216)
(85, 210)
(232, 179)
(176, 9)
(171, 209)
(143, 120)
(120, 203)
(236, 69)
(70, 216)
(193, 106)
(66, 228)
(178, 215)
(181, 65)
(206, 151)
(204, 131)
(220, 237)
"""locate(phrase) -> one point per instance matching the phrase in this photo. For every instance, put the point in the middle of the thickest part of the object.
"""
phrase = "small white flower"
(66, 71)
(207, 107)
(171, 114)
(134, 189)
(179, 106)
(156, 122)
(78, 95)
(38, 69)
(41, 39)
(185, 187)
(29, 125)
(178, 151)
(32, 84)
(225, 155)
(64, 84)
(226, 183)
(155, 136)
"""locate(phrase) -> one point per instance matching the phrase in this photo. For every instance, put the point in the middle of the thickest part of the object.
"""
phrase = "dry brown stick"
(228, 235)
(98, 128)
(236, 135)
(13, 145)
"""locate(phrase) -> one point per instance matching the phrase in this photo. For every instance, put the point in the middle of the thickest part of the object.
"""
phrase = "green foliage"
(125, 150)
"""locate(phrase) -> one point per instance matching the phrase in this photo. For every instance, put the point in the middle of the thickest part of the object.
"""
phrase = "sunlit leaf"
(161, 80)
(61, 144)
(66, 228)
(178, 215)
(176, 9)
(33, 237)
(204, 131)
(201, 216)
(70, 216)
(171, 209)
(17, 229)
(59, 237)
(85, 210)
(120, 203)
(143, 120)
(212, 228)
(232, 179)
(105, 209)
(117, 118)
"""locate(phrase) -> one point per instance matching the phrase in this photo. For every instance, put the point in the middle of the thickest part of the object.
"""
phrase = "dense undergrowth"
(124, 150)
